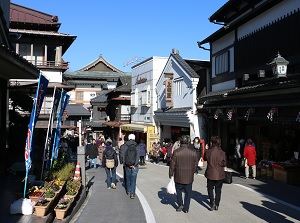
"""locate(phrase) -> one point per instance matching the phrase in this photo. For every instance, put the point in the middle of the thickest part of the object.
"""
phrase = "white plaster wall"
(53, 76)
(222, 43)
(151, 69)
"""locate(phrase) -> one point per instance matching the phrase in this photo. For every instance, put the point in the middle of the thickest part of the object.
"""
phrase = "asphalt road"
(245, 200)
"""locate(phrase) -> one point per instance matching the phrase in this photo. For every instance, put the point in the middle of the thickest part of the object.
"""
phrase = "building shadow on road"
(169, 199)
(201, 199)
(265, 213)
(288, 211)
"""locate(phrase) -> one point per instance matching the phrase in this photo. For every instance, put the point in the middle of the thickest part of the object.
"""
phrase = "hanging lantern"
(279, 66)
(298, 117)
(248, 112)
(217, 113)
(271, 113)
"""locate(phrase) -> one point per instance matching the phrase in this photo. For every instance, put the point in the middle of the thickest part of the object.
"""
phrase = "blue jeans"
(110, 176)
(131, 175)
(93, 161)
(187, 189)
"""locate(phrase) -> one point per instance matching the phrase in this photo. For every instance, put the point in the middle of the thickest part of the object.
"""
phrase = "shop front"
(269, 114)
(147, 133)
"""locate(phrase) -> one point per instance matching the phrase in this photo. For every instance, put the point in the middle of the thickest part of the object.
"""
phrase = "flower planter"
(61, 212)
(41, 210)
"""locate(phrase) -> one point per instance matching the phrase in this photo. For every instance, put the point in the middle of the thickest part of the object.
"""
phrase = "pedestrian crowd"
(184, 158)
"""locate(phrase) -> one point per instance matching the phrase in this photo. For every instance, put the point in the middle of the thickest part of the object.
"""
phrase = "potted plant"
(73, 187)
(62, 207)
(34, 193)
(42, 206)
(49, 194)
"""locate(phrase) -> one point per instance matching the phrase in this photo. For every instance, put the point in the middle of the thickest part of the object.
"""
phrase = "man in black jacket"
(92, 152)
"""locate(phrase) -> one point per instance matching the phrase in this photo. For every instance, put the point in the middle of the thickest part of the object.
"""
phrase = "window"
(25, 51)
(178, 86)
(146, 96)
(222, 63)
(79, 95)
(134, 98)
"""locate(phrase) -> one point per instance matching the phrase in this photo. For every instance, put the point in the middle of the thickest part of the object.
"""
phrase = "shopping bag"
(171, 186)
(200, 163)
(244, 163)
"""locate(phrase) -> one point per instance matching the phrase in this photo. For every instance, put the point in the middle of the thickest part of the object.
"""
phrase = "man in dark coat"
(183, 166)
(92, 152)
(216, 161)
(132, 169)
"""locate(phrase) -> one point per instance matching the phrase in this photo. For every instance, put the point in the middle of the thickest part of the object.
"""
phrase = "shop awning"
(114, 124)
(134, 127)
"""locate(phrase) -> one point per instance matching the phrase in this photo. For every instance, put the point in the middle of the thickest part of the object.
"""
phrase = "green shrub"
(65, 173)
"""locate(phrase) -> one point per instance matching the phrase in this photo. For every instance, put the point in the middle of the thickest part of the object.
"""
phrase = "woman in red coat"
(250, 155)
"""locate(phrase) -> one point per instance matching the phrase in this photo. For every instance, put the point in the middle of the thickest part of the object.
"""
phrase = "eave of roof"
(185, 65)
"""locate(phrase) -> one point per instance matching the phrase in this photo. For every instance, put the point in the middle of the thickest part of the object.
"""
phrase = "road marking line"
(270, 197)
(145, 205)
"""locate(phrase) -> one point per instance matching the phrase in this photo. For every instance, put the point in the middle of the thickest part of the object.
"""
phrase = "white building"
(177, 90)
(144, 99)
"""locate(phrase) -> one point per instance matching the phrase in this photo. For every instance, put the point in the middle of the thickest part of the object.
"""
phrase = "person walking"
(197, 146)
(110, 162)
(215, 174)
(143, 151)
(131, 156)
(92, 152)
(183, 166)
(250, 155)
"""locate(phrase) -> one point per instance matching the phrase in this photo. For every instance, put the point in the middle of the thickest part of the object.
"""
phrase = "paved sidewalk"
(108, 205)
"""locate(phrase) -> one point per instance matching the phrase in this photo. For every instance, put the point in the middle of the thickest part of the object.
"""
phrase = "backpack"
(130, 155)
(110, 161)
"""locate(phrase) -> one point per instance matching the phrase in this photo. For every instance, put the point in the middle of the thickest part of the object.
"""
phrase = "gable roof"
(100, 64)
(24, 17)
(184, 64)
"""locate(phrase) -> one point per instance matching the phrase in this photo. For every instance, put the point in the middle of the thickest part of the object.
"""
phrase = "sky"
(127, 32)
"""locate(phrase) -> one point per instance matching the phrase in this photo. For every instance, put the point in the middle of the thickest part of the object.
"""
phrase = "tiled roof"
(77, 110)
(94, 75)
(185, 65)
(100, 98)
(100, 59)
(173, 110)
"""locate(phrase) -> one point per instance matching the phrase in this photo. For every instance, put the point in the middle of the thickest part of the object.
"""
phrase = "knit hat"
(131, 137)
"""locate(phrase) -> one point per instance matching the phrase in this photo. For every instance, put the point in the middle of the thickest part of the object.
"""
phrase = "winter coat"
(124, 149)
(142, 148)
(109, 152)
(216, 161)
(183, 165)
(92, 150)
(250, 155)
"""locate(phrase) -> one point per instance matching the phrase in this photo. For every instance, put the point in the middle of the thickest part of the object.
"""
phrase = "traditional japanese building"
(255, 80)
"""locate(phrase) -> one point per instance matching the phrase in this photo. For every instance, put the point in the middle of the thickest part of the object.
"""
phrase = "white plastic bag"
(22, 206)
(200, 163)
(171, 186)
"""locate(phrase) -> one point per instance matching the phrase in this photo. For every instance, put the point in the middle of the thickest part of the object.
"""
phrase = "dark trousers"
(124, 178)
(142, 160)
(214, 185)
(187, 189)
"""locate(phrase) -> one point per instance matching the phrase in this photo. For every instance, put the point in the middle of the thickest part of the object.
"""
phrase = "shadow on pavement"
(201, 199)
(169, 199)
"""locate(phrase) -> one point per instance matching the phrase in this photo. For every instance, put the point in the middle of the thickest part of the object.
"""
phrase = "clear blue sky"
(121, 30)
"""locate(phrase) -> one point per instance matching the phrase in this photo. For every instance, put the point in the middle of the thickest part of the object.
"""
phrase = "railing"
(50, 64)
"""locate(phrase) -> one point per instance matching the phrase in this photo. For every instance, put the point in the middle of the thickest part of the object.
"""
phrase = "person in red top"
(250, 155)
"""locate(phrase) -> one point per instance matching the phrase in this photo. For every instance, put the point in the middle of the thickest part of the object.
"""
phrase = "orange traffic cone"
(77, 172)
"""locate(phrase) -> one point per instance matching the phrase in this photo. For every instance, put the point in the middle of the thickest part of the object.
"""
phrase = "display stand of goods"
(287, 172)
(62, 207)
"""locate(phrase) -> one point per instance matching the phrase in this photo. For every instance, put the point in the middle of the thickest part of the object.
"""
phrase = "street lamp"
(279, 65)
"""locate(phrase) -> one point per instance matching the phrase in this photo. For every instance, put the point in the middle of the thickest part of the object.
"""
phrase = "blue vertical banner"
(64, 100)
(49, 136)
(36, 108)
